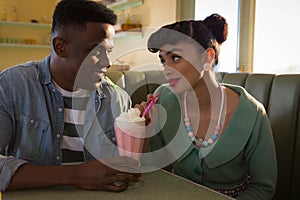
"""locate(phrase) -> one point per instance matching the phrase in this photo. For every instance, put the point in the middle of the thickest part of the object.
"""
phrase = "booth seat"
(279, 93)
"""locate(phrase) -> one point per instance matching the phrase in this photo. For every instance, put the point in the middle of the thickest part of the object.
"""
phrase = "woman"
(215, 134)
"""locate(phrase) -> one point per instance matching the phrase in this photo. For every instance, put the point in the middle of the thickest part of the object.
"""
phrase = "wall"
(153, 14)
(39, 10)
(132, 51)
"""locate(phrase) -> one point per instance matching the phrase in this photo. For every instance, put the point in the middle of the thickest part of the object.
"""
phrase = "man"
(56, 116)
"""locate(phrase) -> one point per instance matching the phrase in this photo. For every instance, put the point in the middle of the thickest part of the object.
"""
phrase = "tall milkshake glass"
(130, 134)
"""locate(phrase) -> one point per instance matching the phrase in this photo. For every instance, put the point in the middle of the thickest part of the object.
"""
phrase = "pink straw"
(150, 104)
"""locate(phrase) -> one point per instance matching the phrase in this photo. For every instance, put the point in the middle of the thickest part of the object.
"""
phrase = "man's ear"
(59, 46)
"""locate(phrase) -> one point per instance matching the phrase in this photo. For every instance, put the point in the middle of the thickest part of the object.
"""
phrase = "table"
(158, 185)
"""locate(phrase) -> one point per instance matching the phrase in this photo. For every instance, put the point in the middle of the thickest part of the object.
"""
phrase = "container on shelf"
(3, 13)
(14, 16)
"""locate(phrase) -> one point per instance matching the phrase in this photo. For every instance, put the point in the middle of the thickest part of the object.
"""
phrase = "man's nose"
(109, 63)
(105, 60)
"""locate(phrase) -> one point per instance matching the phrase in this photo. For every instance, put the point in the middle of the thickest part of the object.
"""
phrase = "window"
(276, 37)
(229, 9)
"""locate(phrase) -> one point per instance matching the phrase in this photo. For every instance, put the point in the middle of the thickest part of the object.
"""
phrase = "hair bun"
(218, 26)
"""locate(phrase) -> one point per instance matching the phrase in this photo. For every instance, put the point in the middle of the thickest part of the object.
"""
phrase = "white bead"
(199, 142)
(187, 123)
(218, 128)
(210, 141)
(191, 134)
(186, 119)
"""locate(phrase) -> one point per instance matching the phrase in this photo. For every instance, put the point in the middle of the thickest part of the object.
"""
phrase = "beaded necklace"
(199, 141)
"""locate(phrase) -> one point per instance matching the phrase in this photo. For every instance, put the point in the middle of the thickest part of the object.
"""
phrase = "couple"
(57, 118)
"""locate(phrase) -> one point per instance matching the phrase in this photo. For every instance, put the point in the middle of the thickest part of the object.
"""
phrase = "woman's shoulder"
(165, 91)
(246, 98)
(167, 95)
(163, 88)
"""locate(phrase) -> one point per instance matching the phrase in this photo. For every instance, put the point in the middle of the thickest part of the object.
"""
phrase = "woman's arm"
(262, 162)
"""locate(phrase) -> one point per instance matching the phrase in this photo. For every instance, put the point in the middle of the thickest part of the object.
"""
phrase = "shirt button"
(57, 157)
(60, 110)
(113, 139)
(53, 90)
(58, 136)
(31, 121)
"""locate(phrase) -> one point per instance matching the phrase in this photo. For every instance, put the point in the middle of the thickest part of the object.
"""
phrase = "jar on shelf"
(3, 13)
(14, 16)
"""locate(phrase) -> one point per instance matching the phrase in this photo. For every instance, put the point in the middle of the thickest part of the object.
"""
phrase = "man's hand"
(109, 174)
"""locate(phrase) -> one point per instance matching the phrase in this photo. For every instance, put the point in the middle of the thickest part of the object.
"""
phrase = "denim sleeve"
(8, 165)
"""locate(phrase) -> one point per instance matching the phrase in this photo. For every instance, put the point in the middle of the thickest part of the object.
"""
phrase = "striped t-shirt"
(74, 112)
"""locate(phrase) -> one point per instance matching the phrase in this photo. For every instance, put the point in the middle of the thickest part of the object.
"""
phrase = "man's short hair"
(76, 13)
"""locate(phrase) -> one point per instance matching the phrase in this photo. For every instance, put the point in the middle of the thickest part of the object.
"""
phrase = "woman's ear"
(59, 47)
(210, 56)
(209, 59)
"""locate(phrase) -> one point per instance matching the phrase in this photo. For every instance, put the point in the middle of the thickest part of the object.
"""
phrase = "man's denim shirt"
(32, 119)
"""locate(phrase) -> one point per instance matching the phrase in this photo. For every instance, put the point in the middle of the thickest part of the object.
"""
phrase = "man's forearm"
(37, 176)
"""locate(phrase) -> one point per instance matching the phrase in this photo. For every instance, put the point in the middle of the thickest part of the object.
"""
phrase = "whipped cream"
(132, 115)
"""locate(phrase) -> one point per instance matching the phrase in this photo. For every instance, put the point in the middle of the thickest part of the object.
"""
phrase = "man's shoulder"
(20, 76)
(21, 69)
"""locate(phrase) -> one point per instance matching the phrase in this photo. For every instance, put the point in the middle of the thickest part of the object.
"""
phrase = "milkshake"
(130, 133)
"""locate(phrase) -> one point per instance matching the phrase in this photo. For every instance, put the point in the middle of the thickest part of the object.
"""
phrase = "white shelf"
(25, 24)
(124, 4)
(126, 34)
(29, 46)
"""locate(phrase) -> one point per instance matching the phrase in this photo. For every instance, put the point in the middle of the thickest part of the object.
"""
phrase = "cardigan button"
(197, 170)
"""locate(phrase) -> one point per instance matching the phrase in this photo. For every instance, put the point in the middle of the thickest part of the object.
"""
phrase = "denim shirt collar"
(44, 71)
